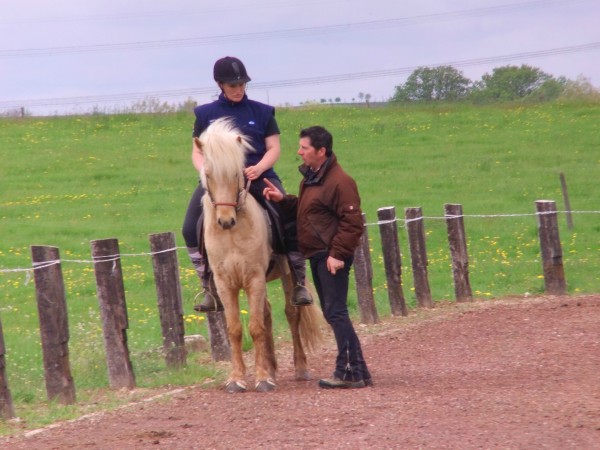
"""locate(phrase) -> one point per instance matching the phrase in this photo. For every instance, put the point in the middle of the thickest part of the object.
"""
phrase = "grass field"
(65, 181)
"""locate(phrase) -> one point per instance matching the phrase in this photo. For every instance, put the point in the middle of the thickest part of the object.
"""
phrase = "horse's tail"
(311, 324)
(308, 319)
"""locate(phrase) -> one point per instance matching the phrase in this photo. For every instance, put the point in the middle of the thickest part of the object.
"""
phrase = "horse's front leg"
(237, 376)
(264, 357)
(269, 341)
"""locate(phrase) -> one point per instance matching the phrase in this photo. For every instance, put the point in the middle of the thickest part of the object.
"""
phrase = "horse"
(240, 253)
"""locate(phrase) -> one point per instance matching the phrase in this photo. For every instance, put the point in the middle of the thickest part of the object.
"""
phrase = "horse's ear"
(198, 144)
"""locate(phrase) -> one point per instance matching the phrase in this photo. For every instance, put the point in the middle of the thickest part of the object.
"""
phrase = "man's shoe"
(211, 303)
(336, 383)
(301, 296)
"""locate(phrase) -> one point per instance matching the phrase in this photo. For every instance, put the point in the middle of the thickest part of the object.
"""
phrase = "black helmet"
(230, 70)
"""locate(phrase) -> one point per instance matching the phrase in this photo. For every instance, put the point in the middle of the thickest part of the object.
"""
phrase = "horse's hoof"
(303, 375)
(267, 385)
(235, 387)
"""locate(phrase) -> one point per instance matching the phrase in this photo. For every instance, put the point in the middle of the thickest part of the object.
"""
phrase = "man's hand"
(271, 192)
(333, 265)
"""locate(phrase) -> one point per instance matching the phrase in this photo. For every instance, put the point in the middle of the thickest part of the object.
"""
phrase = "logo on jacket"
(251, 122)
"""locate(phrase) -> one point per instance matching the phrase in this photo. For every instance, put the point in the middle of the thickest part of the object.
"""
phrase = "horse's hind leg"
(300, 362)
(292, 314)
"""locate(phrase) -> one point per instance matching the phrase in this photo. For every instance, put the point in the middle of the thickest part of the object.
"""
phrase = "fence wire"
(401, 223)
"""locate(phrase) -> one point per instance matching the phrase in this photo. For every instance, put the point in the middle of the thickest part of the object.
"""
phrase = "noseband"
(238, 204)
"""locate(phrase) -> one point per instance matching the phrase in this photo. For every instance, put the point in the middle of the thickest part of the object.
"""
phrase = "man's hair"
(319, 137)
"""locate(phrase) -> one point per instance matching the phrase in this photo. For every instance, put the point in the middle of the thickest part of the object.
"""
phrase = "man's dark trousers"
(333, 295)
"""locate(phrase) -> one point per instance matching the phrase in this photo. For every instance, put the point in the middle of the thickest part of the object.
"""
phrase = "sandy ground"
(506, 374)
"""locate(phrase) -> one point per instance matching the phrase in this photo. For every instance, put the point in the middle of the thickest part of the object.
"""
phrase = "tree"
(580, 89)
(549, 90)
(437, 83)
(150, 105)
(510, 83)
(188, 105)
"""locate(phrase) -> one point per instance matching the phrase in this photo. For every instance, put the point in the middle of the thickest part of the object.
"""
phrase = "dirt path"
(510, 374)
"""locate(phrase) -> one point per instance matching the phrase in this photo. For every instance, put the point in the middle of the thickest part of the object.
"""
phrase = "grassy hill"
(65, 181)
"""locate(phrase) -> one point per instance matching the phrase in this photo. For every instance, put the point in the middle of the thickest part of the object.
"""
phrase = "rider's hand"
(252, 172)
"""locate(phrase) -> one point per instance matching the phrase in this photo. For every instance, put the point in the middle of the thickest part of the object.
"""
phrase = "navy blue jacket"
(256, 120)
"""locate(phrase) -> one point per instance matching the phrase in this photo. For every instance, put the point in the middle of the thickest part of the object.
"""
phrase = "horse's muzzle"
(226, 224)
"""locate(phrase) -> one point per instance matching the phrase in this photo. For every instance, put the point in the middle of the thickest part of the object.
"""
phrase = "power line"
(281, 34)
(189, 92)
(186, 14)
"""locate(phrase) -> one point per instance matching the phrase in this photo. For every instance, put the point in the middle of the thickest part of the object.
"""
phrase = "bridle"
(241, 196)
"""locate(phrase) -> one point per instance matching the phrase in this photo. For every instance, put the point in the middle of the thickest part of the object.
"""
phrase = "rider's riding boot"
(301, 296)
(211, 302)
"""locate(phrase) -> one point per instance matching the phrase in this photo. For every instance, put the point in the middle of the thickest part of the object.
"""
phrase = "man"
(330, 225)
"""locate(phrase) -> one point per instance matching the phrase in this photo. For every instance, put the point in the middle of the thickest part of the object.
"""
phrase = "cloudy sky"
(74, 55)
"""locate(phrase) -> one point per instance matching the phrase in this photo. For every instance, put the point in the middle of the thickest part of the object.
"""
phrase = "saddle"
(278, 233)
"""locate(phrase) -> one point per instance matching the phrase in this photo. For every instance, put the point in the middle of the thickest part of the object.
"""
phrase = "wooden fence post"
(113, 311)
(6, 404)
(363, 275)
(565, 192)
(220, 350)
(392, 259)
(457, 241)
(554, 275)
(168, 291)
(54, 324)
(418, 255)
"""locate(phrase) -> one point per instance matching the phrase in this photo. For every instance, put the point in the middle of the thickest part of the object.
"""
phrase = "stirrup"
(211, 303)
(301, 296)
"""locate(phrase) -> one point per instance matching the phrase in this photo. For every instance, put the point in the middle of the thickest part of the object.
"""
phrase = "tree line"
(507, 83)
(424, 84)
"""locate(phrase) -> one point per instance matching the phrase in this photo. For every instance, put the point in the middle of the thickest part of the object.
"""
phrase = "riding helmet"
(230, 70)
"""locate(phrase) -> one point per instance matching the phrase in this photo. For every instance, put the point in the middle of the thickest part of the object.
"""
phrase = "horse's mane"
(225, 147)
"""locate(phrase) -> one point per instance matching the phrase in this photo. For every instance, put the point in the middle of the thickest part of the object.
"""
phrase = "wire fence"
(485, 251)
(402, 223)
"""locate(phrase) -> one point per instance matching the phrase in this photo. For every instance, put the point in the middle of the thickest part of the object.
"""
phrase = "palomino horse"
(237, 243)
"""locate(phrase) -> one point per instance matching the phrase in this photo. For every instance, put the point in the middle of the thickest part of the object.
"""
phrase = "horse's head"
(223, 148)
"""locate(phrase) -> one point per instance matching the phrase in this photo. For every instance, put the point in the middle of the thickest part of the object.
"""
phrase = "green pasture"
(65, 181)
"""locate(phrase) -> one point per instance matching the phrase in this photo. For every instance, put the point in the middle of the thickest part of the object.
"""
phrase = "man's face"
(311, 156)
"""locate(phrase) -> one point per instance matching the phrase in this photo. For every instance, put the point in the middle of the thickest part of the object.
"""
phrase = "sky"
(73, 56)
